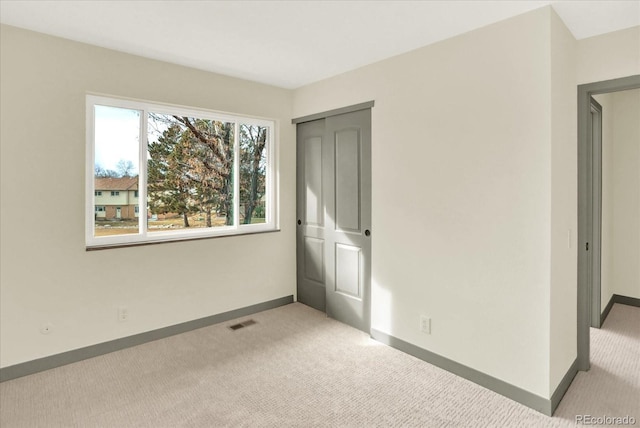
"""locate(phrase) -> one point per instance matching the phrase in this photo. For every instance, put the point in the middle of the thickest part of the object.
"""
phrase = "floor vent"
(242, 324)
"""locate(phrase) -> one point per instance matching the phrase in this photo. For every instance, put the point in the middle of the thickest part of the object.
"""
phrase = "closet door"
(334, 216)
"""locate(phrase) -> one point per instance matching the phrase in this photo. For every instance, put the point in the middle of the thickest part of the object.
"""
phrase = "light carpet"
(298, 368)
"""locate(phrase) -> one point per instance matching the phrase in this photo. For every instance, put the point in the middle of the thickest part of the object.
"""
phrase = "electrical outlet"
(425, 324)
(46, 328)
(123, 314)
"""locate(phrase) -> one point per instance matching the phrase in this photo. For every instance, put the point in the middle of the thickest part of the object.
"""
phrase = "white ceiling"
(289, 43)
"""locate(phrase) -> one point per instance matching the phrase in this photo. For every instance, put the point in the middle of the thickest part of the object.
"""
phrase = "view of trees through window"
(189, 172)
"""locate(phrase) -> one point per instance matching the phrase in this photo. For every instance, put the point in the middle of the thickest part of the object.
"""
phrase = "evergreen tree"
(168, 184)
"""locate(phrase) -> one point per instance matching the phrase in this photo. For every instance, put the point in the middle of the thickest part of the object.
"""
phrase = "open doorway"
(590, 207)
(619, 132)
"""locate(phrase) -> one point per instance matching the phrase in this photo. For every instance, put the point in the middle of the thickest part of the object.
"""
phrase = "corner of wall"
(564, 190)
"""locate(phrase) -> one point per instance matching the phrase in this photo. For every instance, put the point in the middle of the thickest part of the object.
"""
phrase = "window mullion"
(90, 197)
(236, 174)
(269, 185)
(142, 174)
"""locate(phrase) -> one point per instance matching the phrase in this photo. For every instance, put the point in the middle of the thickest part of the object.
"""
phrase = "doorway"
(589, 207)
(334, 214)
(595, 129)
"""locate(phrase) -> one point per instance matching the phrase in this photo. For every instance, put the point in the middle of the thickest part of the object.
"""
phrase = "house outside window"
(100, 212)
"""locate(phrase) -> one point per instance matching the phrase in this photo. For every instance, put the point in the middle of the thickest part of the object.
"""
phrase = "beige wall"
(461, 204)
(609, 56)
(47, 276)
(620, 194)
(564, 191)
(626, 193)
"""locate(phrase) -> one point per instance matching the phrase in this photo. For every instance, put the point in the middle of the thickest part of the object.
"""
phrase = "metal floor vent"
(242, 324)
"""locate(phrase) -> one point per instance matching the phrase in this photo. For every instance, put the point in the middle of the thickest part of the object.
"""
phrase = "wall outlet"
(46, 328)
(123, 313)
(425, 324)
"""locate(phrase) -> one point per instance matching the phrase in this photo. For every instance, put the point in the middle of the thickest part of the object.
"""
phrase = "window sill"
(99, 247)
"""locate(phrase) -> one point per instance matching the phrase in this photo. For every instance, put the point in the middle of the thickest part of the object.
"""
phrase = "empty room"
(319, 213)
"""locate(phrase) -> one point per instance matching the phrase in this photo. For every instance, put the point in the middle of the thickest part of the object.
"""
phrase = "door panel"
(347, 187)
(314, 259)
(310, 233)
(347, 179)
(334, 243)
(348, 270)
(313, 181)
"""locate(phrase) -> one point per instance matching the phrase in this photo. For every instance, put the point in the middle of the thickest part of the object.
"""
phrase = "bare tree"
(191, 167)
(253, 140)
(125, 168)
(100, 172)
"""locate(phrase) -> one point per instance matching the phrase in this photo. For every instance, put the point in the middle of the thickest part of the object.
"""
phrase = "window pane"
(253, 173)
(116, 166)
(189, 173)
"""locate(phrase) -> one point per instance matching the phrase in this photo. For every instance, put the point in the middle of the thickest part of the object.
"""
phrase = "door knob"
(299, 222)
(367, 232)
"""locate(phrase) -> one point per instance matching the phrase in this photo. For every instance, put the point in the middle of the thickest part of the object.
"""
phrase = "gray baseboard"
(564, 385)
(607, 309)
(542, 405)
(46, 363)
(623, 300)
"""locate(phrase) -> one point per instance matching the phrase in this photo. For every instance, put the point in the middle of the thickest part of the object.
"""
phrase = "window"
(198, 173)
(97, 193)
(99, 209)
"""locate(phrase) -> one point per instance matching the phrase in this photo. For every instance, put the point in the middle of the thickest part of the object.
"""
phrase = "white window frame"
(143, 237)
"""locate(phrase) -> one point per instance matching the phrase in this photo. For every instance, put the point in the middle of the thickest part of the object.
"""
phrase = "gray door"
(334, 216)
(311, 212)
